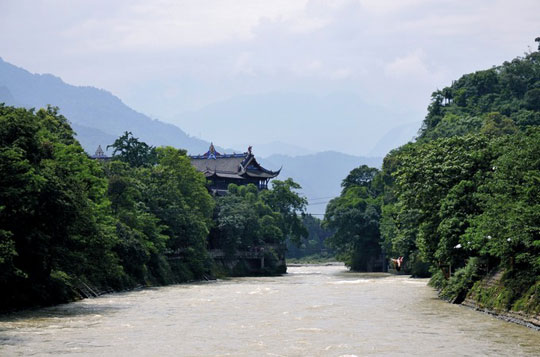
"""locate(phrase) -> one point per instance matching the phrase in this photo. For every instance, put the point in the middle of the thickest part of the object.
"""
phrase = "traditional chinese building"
(100, 155)
(224, 169)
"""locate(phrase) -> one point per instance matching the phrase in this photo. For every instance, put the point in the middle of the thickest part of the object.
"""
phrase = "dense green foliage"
(132, 151)
(251, 220)
(314, 246)
(355, 216)
(162, 208)
(56, 229)
(72, 226)
(513, 90)
(462, 202)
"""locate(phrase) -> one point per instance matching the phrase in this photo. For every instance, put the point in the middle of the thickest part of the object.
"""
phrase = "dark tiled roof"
(230, 165)
(226, 175)
(261, 174)
(221, 164)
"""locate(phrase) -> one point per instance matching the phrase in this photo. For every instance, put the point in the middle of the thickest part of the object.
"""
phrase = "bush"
(461, 282)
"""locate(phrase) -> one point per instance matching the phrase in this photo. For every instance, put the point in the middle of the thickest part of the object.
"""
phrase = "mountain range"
(98, 117)
(319, 174)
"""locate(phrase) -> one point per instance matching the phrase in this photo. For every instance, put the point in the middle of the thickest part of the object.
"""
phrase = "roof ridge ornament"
(99, 152)
(212, 153)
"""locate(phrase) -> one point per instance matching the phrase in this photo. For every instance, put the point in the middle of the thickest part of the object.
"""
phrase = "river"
(311, 311)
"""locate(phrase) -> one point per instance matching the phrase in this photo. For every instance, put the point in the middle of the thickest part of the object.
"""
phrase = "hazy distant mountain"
(319, 174)
(339, 120)
(97, 116)
(279, 148)
(91, 138)
(395, 137)
(6, 96)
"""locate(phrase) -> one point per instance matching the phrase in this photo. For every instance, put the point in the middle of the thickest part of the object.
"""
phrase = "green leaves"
(511, 89)
(248, 219)
(510, 201)
(67, 220)
(136, 153)
(355, 216)
(283, 199)
(360, 176)
(465, 196)
(54, 211)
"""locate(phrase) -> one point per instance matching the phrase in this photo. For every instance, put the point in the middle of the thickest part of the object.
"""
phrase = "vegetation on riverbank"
(314, 247)
(71, 226)
(462, 201)
(354, 216)
(251, 221)
(312, 259)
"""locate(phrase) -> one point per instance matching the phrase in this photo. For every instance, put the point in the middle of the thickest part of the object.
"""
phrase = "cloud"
(390, 6)
(169, 24)
(244, 64)
(167, 56)
(409, 66)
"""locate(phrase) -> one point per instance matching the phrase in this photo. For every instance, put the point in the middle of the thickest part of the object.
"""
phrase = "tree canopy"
(354, 216)
(461, 202)
(72, 226)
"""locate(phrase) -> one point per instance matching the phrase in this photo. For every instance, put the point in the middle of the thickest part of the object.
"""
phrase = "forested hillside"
(463, 201)
(71, 226)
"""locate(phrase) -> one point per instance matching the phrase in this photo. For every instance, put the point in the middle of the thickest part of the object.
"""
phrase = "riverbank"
(312, 259)
(491, 295)
(268, 265)
(516, 317)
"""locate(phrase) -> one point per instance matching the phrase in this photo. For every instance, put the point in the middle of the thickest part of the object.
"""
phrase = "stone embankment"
(510, 316)
(493, 283)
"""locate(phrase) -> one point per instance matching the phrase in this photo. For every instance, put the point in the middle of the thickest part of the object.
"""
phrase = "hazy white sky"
(165, 57)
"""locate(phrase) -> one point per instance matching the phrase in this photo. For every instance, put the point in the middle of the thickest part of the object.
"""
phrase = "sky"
(170, 59)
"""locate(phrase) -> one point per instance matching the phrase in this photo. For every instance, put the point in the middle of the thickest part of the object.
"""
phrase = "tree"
(141, 242)
(175, 192)
(463, 197)
(496, 124)
(132, 151)
(360, 176)
(424, 179)
(354, 216)
(509, 224)
(283, 199)
(315, 244)
(56, 232)
(532, 99)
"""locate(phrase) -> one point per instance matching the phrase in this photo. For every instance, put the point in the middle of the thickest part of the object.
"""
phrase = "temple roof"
(100, 154)
(235, 166)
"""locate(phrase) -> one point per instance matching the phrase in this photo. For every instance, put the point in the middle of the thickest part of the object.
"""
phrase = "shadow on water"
(87, 306)
(68, 310)
(35, 321)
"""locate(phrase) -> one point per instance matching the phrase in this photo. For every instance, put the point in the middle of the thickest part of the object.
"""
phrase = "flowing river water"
(311, 311)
